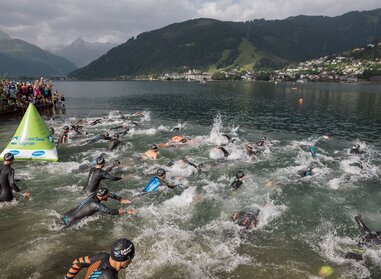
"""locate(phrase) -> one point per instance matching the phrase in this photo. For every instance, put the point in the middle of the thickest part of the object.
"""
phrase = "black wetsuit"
(369, 239)
(95, 177)
(90, 205)
(98, 265)
(114, 143)
(7, 183)
(77, 129)
(99, 137)
(236, 184)
(226, 153)
(245, 219)
(63, 137)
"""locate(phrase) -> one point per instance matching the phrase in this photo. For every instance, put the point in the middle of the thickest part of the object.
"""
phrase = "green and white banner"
(32, 140)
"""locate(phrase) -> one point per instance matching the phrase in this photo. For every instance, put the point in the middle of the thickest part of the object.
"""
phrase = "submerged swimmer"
(369, 239)
(8, 181)
(355, 149)
(239, 176)
(105, 265)
(176, 140)
(99, 137)
(93, 204)
(152, 153)
(262, 141)
(313, 151)
(158, 181)
(97, 174)
(248, 220)
(115, 142)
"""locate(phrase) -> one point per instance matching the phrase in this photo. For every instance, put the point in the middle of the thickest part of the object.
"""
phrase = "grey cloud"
(49, 23)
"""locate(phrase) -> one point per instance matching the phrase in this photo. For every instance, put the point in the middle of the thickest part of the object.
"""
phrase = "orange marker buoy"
(300, 101)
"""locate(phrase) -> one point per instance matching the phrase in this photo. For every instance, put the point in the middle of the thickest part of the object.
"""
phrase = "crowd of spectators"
(16, 95)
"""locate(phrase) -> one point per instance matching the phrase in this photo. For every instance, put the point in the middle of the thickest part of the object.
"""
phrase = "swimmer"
(152, 153)
(95, 122)
(262, 141)
(176, 140)
(158, 181)
(239, 176)
(51, 131)
(105, 265)
(8, 181)
(184, 160)
(115, 142)
(64, 136)
(369, 239)
(77, 129)
(248, 220)
(313, 151)
(355, 149)
(251, 151)
(226, 153)
(93, 204)
(97, 174)
(99, 137)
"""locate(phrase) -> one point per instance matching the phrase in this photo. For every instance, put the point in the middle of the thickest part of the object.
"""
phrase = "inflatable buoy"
(300, 101)
(325, 271)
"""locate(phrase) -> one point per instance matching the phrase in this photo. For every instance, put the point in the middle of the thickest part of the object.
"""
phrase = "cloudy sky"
(48, 23)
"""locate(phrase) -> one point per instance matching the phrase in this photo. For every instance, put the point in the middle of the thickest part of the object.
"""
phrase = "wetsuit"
(90, 205)
(236, 184)
(355, 151)
(95, 177)
(369, 239)
(98, 265)
(115, 143)
(77, 129)
(95, 122)
(63, 137)
(246, 219)
(99, 137)
(226, 153)
(7, 183)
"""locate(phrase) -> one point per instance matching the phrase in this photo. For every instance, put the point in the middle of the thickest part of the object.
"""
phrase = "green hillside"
(19, 58)
(211, 45)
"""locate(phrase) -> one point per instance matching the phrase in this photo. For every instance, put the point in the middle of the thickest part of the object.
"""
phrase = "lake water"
(304, 223)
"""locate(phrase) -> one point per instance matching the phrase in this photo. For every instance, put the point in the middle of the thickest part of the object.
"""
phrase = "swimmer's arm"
(78, 264)
(104, 209)
(12, 181)
(107, 175)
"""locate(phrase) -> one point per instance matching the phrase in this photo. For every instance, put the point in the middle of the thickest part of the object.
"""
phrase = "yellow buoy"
(325, 271)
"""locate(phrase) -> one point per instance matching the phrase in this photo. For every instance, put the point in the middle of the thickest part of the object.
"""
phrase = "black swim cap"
(9, 157)
(103, 191)
(239, 174)
(153, 146)
(66, 128)
(100, 160)
(122, 250)
(160, 172)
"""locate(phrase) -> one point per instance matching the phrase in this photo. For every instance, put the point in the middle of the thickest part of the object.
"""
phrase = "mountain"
(81, 52)
(209, 44)
(19, 58)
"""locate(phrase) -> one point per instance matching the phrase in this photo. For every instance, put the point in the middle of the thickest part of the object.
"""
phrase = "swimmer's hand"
(26, 194)
(132, 211)
(125, 201)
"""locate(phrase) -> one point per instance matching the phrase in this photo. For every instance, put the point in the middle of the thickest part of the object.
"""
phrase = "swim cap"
(51, 131)
(66, 128)
(160, 172)
(239, 174)
(122, 250)
(100, 160)
(9, 157)
(325, 271)
(153, 146)
(103, 191)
